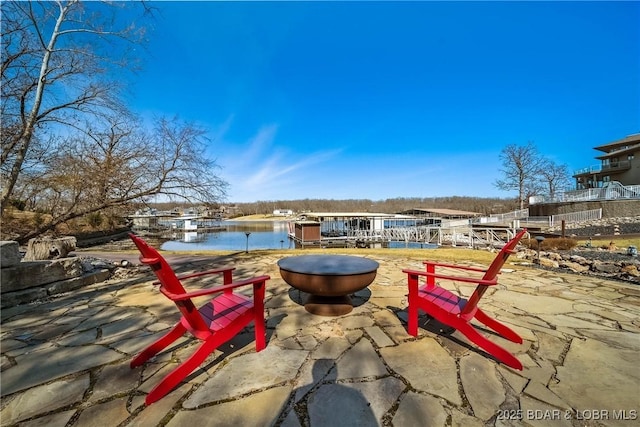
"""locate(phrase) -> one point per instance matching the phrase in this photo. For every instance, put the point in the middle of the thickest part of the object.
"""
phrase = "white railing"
(448, 223)
(572, 217)
(506, 217)
(455, 236)
(540, 221)
(613, 191)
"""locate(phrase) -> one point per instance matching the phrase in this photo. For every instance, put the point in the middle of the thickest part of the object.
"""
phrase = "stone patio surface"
(65, 361)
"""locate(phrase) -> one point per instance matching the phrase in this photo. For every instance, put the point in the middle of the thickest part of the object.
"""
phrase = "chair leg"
(412, 327)
(176, 332)
(490, 347)
(503, 330)
(260, 331)
(185, 368)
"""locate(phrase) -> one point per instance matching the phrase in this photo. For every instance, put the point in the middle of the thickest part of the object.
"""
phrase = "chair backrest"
(491, 273)
(168, 280)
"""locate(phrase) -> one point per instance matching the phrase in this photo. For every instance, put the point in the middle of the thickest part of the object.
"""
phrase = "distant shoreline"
(262, 217)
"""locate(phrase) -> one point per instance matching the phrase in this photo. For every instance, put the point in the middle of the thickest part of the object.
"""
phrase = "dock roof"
(445, 213)
(353, 215)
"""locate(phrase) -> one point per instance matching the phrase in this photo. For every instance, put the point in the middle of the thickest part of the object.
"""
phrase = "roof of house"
(615, 153)
(633, 139)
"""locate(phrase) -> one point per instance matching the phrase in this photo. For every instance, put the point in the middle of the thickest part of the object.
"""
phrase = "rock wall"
(610, 208)
(594, 262)
(602, 227)
(26, 281)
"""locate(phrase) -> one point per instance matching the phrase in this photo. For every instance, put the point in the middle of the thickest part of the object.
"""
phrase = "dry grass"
(619, 241)
(551, 244)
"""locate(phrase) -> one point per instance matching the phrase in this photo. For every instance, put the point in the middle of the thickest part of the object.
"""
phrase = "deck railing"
(613, 191)
(590, 215)
(610, 167)
(506, 217)
(455, 236)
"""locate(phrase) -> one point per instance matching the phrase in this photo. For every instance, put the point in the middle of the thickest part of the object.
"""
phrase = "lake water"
(264, 235)
(233, 237)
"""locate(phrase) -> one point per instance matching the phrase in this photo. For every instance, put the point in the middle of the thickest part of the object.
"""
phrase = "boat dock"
(341, 229)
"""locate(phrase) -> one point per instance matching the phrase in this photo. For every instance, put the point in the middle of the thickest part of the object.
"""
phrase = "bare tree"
(121, 163)
(554, 176)
(56, 56)
(521, 166)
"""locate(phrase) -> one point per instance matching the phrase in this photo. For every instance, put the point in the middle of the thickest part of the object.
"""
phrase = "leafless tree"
(60, 63)
(555, 177)
(121, 162)
(521, 167)
(69, 146)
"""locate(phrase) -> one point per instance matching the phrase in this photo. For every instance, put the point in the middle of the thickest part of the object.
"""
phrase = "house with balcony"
(620, 162)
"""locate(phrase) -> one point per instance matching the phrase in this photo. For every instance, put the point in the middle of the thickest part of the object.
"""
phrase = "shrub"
(551, 244)
(18, 204)
(94, 219)
(38, 219)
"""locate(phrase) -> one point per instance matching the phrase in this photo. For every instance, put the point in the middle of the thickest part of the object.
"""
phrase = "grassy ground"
(620, 242)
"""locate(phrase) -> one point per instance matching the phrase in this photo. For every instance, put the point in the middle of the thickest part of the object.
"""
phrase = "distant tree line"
(484, 206)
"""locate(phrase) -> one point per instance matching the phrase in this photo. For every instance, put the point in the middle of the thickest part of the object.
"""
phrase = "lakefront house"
(620, 162)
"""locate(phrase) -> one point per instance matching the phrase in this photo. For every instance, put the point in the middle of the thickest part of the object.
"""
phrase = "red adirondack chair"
(458, 312)
(214, 323)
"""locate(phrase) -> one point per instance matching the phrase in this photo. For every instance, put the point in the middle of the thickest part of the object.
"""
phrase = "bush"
(551, 244)
(94, 219)
(18, 204)
(38, 219)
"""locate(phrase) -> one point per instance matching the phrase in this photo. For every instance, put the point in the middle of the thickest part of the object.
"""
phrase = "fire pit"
(329, 279)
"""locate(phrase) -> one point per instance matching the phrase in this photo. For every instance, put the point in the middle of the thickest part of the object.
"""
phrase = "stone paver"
(415, 409)
(427, 366)
(481, 384)
(65, 360)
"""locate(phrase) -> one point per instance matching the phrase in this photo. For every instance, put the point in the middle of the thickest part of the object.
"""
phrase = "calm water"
(264, 235)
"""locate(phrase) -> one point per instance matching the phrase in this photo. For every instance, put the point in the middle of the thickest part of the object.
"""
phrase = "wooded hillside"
(483, 206)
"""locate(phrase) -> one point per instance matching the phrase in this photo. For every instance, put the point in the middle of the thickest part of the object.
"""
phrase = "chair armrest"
(218, 289)
(200, 274)
(205, 273)
(459, 267)
(455, 278)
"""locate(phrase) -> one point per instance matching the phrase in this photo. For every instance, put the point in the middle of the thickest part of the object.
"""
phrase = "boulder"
(545, 262)
(578, 259)
(604, 267)
(631, 270)
(9, 253)
(29, 274)
(50, 248)
(574, 266)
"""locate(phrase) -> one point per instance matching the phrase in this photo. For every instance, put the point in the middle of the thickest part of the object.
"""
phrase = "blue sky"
(377, 100)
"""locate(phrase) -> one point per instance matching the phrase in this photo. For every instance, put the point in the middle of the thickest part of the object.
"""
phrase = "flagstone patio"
(65, 360)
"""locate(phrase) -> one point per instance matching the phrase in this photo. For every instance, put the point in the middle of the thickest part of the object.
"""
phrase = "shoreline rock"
(591, 262)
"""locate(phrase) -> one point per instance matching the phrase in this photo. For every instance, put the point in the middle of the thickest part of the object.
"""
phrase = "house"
(282, 212)
(620, 162)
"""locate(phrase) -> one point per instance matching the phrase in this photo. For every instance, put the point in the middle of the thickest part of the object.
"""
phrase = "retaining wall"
(610, 208)
(27, 281)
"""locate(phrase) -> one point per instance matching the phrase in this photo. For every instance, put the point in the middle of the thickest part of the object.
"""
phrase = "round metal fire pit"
(329, 279)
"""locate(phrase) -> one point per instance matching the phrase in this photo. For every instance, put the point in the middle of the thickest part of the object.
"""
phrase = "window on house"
(630, 157)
